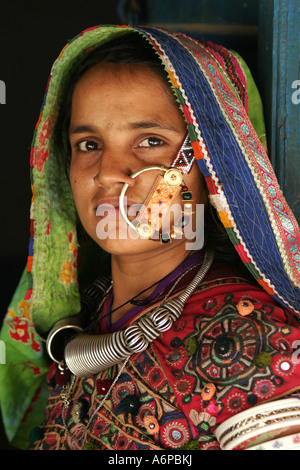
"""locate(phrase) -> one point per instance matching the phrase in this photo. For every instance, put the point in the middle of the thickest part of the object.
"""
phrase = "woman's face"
(122, 120)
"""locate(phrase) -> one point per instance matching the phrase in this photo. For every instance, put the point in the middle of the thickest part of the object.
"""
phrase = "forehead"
(110, 93)
(130, 78)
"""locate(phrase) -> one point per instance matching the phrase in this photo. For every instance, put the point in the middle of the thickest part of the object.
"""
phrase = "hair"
(135, 50)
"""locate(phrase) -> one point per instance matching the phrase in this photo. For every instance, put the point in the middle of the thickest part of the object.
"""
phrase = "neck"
(132, 275)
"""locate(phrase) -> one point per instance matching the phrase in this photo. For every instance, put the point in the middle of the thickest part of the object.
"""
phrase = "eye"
(87, 146)
(151, 142)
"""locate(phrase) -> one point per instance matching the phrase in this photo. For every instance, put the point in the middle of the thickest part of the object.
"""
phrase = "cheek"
(74, 184)
(77, 186)
(72, 175)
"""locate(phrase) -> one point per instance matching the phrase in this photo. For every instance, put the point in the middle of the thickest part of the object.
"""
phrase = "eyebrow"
(151, 125)
(131, 126)
(80, 129)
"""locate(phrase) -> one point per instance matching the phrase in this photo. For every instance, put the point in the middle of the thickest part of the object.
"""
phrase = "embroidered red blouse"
(232, 348)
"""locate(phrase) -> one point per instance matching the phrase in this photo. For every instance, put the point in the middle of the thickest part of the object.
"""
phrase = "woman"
(187, 332)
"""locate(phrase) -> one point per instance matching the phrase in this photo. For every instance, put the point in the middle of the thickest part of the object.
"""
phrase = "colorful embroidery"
(169, 395)
(247, 152)
(40, 152)
(68, 268)
(20, 326)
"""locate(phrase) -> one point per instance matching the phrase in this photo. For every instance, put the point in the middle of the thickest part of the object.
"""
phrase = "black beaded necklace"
(135, 300)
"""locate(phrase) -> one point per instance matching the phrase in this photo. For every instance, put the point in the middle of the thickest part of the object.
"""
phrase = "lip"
(113, 203)
(107, 202)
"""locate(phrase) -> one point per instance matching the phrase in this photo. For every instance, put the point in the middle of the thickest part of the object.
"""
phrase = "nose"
(114, 169)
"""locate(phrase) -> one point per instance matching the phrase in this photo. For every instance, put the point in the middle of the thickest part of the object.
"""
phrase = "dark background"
(32, 34)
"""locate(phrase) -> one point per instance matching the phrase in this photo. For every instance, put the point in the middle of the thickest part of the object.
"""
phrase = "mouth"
(111, 207)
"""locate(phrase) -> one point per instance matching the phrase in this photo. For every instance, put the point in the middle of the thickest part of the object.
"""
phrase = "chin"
(125, 247)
